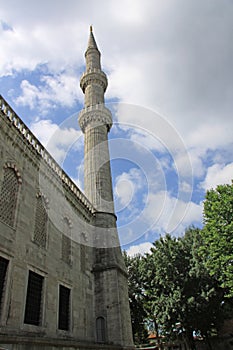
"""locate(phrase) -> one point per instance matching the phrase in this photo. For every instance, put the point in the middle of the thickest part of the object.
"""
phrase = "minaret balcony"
(93, 76)
(95, 116)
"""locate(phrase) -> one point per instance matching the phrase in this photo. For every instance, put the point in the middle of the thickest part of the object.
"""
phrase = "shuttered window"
(34, 299)
(3, 269)
(64, 308)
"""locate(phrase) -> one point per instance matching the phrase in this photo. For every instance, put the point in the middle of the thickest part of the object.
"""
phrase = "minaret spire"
(91, 42)
(95, 121)
(94, 81)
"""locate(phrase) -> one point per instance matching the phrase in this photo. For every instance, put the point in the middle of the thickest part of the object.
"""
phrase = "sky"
(170, 90)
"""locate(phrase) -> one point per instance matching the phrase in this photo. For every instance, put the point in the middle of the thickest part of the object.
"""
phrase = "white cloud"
(158, 214)
(40, 35)
(192, 157)
(54, 91)
(142, 249)
(153, 54)
(148, 140)
(79, 179)
(168, 214)
(218, 174)
(126, 188)
(132, 12)
(156, 54)
(185, 187)
(57, 141)
(210, 135)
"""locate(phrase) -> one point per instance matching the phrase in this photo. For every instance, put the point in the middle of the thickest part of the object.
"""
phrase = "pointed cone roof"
(91, 42)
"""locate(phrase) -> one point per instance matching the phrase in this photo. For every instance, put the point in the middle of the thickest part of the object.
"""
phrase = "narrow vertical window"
(66, 241)
(3, 270)
(64, 308)
(83, 257)
(41, 219)
(100, 329)
(8, 196)
(34, 299)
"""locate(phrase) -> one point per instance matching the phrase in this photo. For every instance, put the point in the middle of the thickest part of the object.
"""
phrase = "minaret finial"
(91, 41)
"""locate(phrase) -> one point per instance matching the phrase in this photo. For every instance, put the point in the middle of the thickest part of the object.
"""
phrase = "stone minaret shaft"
(95, 121)
(110, 278)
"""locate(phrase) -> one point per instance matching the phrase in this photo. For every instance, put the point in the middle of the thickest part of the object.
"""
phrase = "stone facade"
(63, 282)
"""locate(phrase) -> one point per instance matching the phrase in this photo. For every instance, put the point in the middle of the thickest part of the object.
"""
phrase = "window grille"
(66, 242)
(100, 330)
(8, 197)
(3, 270)
(40, 233)
(34, 299)
(64, 308)
(83, 257)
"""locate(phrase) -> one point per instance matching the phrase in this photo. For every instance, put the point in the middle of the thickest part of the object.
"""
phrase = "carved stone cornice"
(93, 76)
(23, 136)
(95, 116)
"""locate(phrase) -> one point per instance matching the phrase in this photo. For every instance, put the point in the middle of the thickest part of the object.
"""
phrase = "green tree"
(137, 298)
(183, 297)
(217, 235)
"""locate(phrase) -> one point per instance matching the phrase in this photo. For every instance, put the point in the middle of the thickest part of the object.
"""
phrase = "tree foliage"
(183, 283)
(172, 287)
(179, 287)
(137, 299)
(217, 235)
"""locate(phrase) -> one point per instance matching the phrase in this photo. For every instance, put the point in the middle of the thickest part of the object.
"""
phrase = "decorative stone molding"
(68, 221)
(7, 112)
(93, 70)
(14, 167)
(93, 76)
(45, 199)
(95, 115)
(84, 236)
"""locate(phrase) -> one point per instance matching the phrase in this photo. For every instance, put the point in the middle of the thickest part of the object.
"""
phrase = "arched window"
(66, 241)
(100, 330)
(41, 221)
(9, 194)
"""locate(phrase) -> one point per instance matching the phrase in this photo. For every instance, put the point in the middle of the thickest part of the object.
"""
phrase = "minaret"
(112, 315)
(95, 121)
